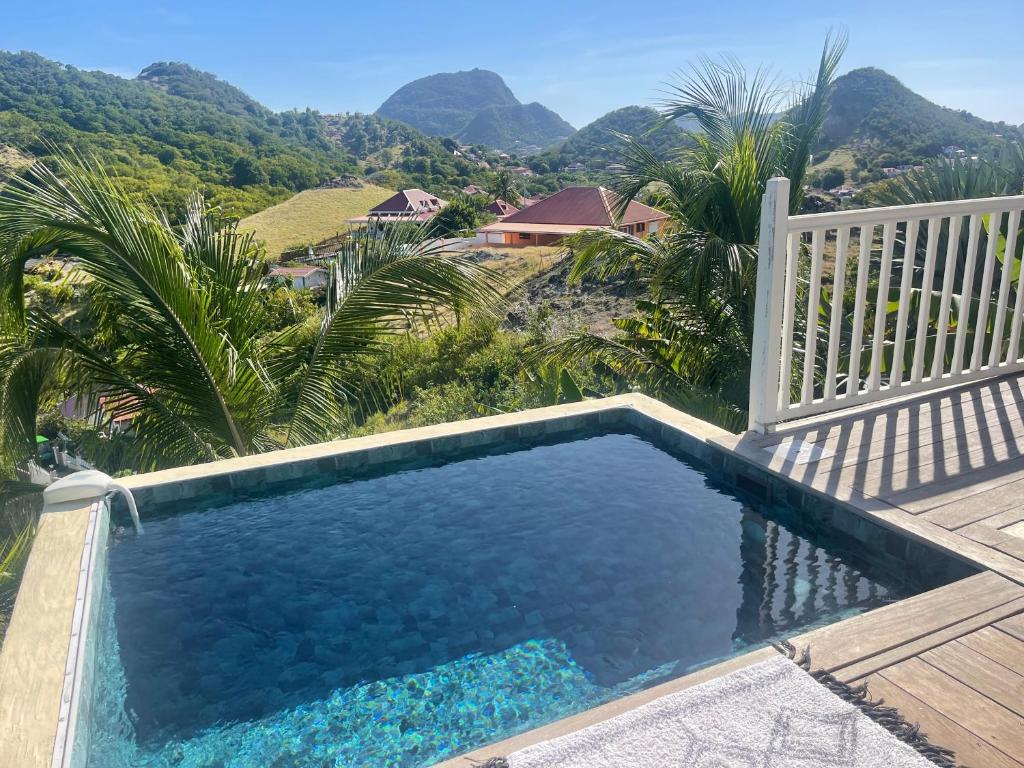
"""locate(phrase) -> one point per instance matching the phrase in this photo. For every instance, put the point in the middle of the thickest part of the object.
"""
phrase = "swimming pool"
(401, 618)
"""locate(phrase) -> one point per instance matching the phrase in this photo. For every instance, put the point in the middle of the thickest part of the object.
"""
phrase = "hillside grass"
(843, 158)
(311, 216)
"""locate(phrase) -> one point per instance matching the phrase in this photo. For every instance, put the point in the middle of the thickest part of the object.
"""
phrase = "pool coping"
(703, 441)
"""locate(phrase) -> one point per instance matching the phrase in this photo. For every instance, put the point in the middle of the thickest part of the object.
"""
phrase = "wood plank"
(840, 645)
(978, 507)
(948, 439)
(962, 704)
(999, 646)
(921, 465)
(987, 677)
(923, 498)
(870, 432)
(940, 730)
(860, 669)
(1013, 626)
(907, 415)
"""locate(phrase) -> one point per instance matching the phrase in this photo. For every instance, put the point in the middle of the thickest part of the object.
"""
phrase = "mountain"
(393, 154)
(477, 107)
(596, 145)
(170, 131)
(443, 104)
(180, 79)
(523, 128)
(874, 114)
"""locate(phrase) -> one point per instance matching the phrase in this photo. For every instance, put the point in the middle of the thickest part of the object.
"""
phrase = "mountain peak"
(872, 110)
(180, 79)
(477, 107)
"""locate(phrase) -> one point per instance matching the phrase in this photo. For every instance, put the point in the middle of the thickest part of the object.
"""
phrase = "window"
(640, 227)
(524, 235)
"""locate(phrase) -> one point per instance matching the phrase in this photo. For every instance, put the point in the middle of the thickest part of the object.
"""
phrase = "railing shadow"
(915, 449)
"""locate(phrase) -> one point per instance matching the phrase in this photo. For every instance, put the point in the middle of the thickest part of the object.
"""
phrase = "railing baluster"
(811, 332)
(956, 223)
(921, 340)
(966, 293)
(881, 305)
(788, 315)
(1012, 223)
(867, 234)
(765, 375)
(975, 335)
(836, 324)
(909, 253)
(985, 296)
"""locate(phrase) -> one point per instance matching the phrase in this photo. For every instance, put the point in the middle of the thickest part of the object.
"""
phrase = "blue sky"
(581, 59)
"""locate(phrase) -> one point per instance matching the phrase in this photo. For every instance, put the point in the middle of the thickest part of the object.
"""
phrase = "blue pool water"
(401, 619)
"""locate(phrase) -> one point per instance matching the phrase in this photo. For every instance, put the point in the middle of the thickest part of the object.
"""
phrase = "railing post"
(766, 353)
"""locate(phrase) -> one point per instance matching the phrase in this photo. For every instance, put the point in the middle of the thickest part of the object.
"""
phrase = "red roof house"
(570, 211)
(502, 209)
(409, 205)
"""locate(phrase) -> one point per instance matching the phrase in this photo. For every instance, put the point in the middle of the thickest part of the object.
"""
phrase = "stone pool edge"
(46, 605)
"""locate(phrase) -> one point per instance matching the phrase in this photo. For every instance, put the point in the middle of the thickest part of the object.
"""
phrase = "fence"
(860, 306)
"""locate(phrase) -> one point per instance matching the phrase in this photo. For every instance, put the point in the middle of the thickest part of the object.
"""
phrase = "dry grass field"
(311, 216)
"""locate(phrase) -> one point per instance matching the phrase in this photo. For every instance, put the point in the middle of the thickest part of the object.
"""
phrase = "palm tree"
(503, 186)
(689, 342)
(179, 333)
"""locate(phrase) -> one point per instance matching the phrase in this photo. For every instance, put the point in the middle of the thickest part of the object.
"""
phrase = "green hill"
(167, 133)
(521, 128)
(396, 155)
(180, 79)
(874, 114)
(478, 108)
(596, 145)
(443, 104)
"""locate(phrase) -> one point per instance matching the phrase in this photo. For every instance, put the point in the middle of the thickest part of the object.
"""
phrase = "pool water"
(401, 619)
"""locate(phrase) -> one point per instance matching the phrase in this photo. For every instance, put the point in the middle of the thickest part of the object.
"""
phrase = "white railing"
(865, 305)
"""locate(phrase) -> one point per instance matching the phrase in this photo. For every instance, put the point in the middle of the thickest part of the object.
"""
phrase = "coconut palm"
(690, 340)
(503, 186)
(178, 334)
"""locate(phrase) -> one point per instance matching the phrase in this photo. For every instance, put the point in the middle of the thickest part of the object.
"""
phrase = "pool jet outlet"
(86, 485)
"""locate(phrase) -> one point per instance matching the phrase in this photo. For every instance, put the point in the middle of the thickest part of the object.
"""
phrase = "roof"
(501, 208)
(583, 207)
(539, 229)
(409, 201)
(294, 271)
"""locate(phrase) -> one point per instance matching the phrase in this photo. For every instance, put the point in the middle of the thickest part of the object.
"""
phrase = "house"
(473, 189)
(407, 205)
(522, 170)
(568, 212)
(501, 209)
(575, 167)
(301, 277)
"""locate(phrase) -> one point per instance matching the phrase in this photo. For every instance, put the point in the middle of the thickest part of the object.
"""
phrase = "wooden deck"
(947, 469)
(951, 660)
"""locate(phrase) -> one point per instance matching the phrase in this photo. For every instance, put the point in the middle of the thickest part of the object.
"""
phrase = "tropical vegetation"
(689, 341)
(170, 131)
(179, 333)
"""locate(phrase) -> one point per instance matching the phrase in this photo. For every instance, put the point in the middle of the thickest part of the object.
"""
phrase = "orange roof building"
(570, 211)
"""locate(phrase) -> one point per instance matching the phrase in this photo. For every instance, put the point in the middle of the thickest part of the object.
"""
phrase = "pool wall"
(45, 661)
